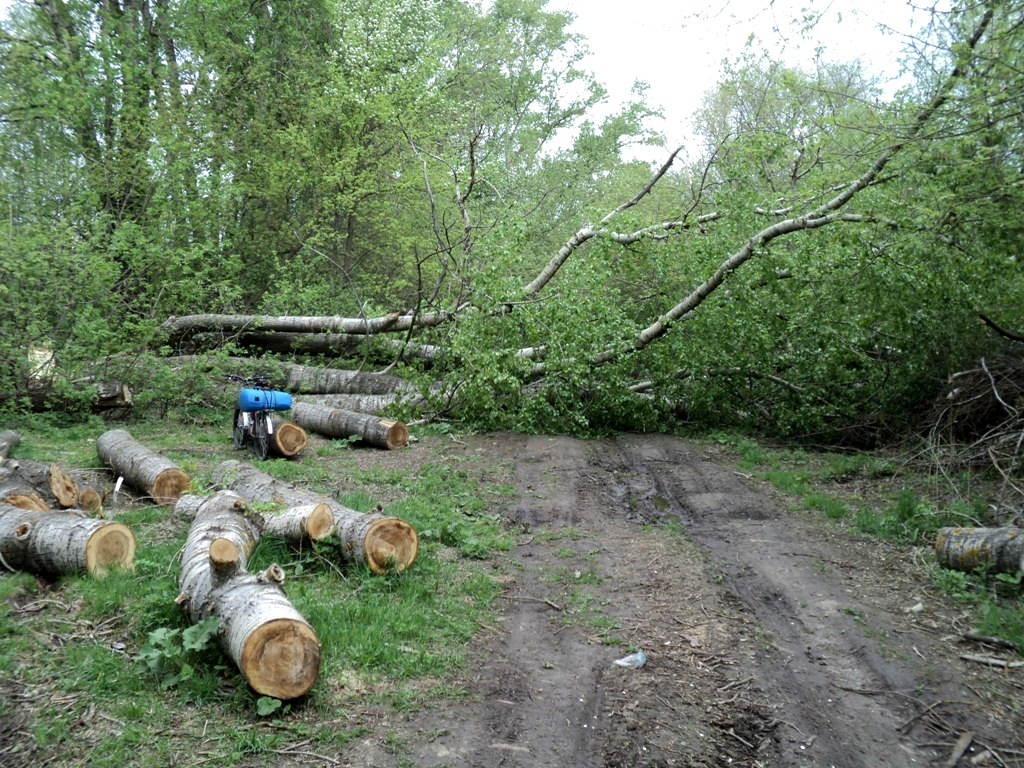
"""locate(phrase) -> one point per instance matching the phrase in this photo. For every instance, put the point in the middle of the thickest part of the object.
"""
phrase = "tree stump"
(1000, 550)
(146, 471)
(273, 646)
(288, 439)
(384, 543)
(59, 543)
(334, 422)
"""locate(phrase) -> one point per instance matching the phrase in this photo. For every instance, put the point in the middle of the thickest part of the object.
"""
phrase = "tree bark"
(334, 422)
(178, 329)
(1000, 550)
(288, 439)
(9, 440)
(304, 379)
(16, 494)
(60, 543)
(382, 542)
(296, 524)
(55, 486)
(273, 646)
(376, 404)
(155, 475)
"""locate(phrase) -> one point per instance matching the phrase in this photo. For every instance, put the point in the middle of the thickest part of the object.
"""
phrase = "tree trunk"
(9, 439)
(275, 648)
(383, 542)
(999, 550)
(56, 487)
(298, 524)
(330, 381)
(334, 422)
(155, 475)
(376, 404)
(288, 439)
(110, 398)
(59, 543)
(178, 329)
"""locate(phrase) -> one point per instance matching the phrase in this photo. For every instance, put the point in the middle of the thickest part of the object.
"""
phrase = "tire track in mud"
(829, 677)
(765, 648)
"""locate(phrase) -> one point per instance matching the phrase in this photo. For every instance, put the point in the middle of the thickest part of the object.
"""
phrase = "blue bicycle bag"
(252, 400)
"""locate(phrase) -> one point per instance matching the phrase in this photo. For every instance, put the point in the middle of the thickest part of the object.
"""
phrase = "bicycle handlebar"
(260, 381)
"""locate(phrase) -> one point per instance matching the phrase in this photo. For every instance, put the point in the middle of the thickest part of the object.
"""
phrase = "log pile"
(274, 647)
(148, 472)
(336, 422)
(60, 543)
(382, 542)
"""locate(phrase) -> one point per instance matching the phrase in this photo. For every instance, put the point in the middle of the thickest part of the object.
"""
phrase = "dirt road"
(773, 639)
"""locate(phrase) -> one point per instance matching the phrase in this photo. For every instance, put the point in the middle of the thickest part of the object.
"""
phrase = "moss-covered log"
(58, 543)
(145, 470)
(382, 542)
(335, 422)
(275, 648)
(999, 550)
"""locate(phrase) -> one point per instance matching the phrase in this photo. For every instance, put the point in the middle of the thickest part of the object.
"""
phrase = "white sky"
(677, 46)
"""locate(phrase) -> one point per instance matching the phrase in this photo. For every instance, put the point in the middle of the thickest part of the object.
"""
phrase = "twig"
(534, 600)
(998, 642)
(992, 662)
(959, 748)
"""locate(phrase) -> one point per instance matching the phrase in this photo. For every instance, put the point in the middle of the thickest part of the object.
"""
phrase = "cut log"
(146, 471)
(1000, 550)
(9, 440)
(288, 439)
(298, 524)
(334, 422)
(384, 543)
(56, 487)
(93, 490)
(330, 381)
(59, 543)
(110, 398)
(273, 646)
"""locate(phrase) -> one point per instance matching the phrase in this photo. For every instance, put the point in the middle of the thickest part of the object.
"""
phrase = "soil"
(772, 637)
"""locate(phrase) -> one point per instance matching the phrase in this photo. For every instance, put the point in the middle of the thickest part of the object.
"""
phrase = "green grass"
(394, 642)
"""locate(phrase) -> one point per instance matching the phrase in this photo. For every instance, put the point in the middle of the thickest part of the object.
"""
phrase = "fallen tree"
(270, 642)
(384, 543)
(61, 543)
(336, 422)
(155, 475)
(998, 550)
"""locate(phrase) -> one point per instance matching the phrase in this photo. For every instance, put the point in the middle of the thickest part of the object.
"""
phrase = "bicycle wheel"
(238, 430)
(260, 434)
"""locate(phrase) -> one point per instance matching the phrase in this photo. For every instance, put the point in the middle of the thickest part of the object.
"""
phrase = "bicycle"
(252, 422)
